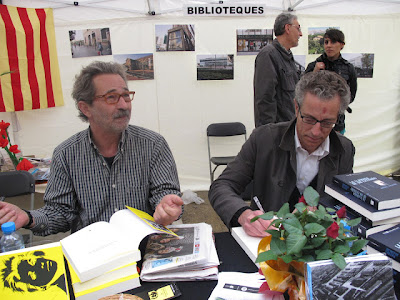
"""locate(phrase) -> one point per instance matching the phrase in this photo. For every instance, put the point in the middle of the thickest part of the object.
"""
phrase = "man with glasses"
(100, 170)
(283, 159)
(276, 73)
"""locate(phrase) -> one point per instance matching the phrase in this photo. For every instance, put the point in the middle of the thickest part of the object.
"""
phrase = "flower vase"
(282, 276)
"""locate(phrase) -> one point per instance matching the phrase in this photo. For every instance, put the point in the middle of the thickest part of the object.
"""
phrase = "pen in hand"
(258, 204)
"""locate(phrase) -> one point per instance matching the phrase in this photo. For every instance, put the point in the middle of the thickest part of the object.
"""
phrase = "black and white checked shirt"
(83, 189)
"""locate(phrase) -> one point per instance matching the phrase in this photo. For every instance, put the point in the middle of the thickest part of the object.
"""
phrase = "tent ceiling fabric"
(91, 10)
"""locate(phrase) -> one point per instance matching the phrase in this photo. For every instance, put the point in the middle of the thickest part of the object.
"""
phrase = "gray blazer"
(269, 158)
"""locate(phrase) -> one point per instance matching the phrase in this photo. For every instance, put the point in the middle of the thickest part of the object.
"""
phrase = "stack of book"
(102, 256)
(371, 196)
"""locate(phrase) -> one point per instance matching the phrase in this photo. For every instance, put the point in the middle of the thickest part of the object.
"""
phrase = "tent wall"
(179, 107)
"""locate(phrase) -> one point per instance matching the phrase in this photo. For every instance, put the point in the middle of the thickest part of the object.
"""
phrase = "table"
(232, 258)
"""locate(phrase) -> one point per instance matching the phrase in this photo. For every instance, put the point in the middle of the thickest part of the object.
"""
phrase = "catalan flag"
(28, 60)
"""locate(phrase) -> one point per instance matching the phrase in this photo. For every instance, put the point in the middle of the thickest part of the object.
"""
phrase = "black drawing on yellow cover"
(33, 273)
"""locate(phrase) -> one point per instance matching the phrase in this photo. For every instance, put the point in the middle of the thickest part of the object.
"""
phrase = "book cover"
(33, 273)
(110, 283)
(364, 277)
(360, 206)
(374, 189)
(387, 241)
(102, 247)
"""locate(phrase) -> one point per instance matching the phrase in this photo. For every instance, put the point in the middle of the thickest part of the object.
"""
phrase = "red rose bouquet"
(5, 142)
(301, 236)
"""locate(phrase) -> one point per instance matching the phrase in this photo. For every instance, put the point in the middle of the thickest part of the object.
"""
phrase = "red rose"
(4, 125)
(302, 200)
(3, 142)
(14, 149)
(24, 165)
(333, 230)
(341, 213)
(3, 132)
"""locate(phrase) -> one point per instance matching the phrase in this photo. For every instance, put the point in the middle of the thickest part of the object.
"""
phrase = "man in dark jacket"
(332, 60)
(276, 74)
(283, 159)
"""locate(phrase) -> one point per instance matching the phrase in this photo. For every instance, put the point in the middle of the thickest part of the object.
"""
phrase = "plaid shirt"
(83, 188)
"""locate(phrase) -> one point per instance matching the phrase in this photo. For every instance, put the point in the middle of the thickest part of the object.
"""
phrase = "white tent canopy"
(179, 107)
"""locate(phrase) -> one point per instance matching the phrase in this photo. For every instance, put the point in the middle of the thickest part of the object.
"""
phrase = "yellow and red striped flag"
(28, 51)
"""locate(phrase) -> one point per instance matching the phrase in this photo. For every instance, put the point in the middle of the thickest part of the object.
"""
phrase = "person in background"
(283, 159)
(276, 74)
(111, 164)
(332, 60)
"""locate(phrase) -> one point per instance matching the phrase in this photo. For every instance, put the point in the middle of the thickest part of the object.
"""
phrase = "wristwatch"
(27, 226)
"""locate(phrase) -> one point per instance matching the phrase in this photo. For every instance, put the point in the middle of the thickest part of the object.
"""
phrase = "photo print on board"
(362, 62)
(90, 42)
(215, 67)
(251, 41)
(300, 61)
(316, 39)
(138, 66)
(175, 37)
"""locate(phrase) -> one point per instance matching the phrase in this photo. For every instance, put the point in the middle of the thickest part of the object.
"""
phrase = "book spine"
(382, 248)
(356, 193)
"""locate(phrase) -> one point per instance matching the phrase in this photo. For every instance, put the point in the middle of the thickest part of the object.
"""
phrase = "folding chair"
(222, 130)
(17, 183)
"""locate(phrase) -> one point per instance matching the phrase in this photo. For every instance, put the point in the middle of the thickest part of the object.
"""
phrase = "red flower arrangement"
(19, 163)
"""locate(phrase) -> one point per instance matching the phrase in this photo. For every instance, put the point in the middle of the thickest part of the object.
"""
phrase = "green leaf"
(293, 226)
(300, 206)
(313, 228)
(342, 249)
(318, 241)
(357, 246)
(311, 196)
(330, 210)
(287, 258)
(268, 215)
(306, 258)
(319, 214)
(283, 211)
(278, 246)
(353, 222)
(267, 255)
(274, 233)
(324, 254)
(338, 259)
(322, 208)
(295, 243)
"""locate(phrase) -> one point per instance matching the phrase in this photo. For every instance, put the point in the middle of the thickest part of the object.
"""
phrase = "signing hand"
(256, 228)
(168, 210)
(12, 213)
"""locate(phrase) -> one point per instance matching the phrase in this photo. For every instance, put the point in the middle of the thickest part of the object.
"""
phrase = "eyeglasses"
(312, 121)
(113, 97)
(297, 27)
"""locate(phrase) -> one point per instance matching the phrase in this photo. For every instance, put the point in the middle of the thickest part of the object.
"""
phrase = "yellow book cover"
(33, 273)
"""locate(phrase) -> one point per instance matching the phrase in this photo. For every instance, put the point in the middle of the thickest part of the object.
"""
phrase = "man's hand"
(168, 210)
(12, 213)
(256, 228)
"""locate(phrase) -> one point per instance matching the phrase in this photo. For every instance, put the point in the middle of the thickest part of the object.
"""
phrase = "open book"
(191, 255)
(101, 246)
